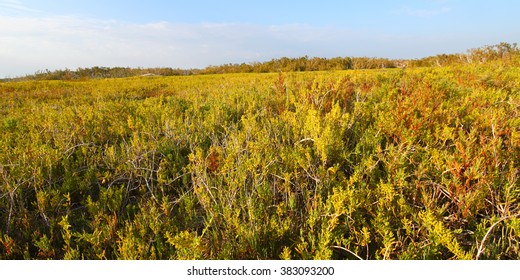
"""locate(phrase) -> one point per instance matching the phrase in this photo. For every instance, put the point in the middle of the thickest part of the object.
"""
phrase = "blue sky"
(57, 34)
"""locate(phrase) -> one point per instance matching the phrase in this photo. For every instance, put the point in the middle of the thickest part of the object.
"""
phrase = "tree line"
(506, 52)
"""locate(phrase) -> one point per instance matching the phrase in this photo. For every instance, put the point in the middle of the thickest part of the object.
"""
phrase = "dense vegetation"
(416, 163)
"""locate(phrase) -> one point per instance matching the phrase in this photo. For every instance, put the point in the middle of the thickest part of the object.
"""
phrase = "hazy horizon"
(39, 35)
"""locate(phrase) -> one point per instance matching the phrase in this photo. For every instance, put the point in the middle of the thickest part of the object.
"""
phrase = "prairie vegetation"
(416, 163)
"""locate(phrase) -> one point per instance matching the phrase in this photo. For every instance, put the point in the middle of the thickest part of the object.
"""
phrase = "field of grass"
(417, 163)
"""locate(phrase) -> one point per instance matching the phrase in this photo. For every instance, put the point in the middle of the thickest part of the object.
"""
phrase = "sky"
(36, 35)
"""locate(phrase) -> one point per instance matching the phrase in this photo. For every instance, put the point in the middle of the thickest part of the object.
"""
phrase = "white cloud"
(31, 44)
(14, 7)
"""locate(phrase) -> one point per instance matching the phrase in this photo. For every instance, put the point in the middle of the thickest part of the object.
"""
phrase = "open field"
(420, 163)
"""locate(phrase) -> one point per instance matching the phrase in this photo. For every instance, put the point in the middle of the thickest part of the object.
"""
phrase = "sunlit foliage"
(416, 163)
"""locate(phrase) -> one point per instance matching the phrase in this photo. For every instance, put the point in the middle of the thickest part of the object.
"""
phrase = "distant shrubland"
(506, 52)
